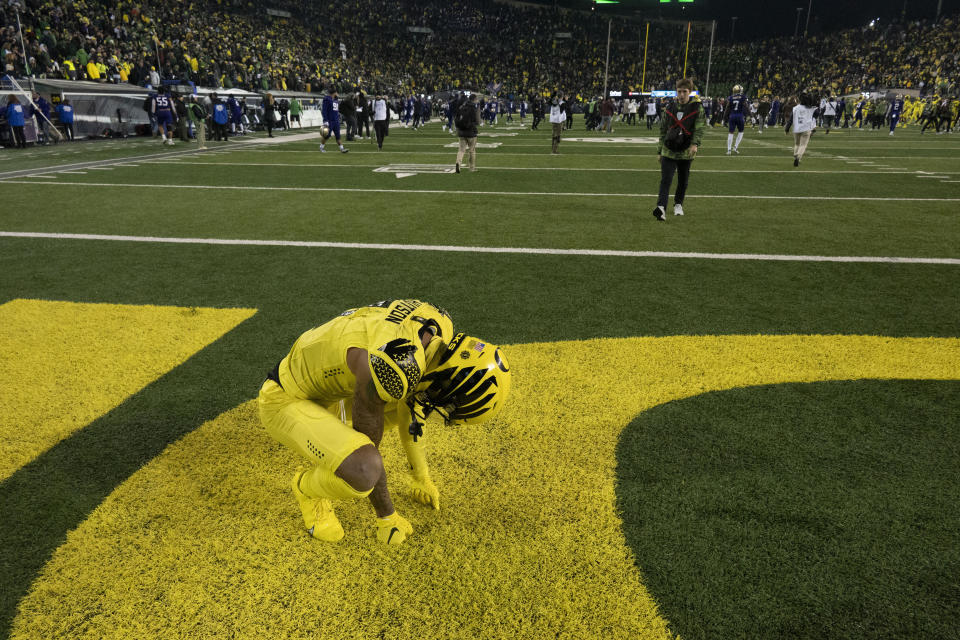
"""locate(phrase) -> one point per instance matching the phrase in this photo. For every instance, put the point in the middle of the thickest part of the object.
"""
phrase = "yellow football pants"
(315, 432)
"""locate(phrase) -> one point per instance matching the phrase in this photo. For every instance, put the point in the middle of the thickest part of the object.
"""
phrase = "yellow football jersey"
(316, 367)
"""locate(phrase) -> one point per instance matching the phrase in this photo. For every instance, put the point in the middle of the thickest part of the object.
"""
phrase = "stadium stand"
(394, 45)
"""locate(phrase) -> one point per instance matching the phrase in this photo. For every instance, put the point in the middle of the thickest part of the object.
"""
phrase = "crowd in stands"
(457, 44)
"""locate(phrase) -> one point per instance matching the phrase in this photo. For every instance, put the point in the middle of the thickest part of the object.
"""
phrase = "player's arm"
(368, 420)
(421, 485)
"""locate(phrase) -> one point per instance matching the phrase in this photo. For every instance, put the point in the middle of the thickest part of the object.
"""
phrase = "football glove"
(424, 491)
(393, 529)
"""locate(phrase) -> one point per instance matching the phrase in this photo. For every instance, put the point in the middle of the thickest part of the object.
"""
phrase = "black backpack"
(198, 111)
(466, 116)
(680, 134)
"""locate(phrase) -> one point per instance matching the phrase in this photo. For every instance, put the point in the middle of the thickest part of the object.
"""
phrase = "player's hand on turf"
(393, 529)
(424, 491)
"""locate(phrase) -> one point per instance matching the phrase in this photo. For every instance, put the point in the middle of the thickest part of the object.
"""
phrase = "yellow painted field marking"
(207, 541)
(66, 363)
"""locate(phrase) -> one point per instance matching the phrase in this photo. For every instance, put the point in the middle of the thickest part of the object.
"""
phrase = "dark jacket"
(697, 125)
(470, 132)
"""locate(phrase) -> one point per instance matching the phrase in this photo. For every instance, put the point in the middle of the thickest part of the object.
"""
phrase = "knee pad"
(320, 482)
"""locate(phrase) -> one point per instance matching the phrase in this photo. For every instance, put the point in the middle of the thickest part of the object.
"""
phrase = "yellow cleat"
(318, 516)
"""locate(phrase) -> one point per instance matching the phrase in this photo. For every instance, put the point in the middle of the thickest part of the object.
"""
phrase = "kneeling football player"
(392, 363)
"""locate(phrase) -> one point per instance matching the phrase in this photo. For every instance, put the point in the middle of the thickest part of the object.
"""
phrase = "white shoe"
(678, 209)
(736, 151)
(729, 152)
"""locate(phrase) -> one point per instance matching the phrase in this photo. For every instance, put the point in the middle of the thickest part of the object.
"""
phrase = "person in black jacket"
(269, 113)
(364, 112)
(348, 111)
(467, 119)
(183, 123)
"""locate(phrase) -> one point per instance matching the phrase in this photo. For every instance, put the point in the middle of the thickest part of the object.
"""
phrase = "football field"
(738, 423)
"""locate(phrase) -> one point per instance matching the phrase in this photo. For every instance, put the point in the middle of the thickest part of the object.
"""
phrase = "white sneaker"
(678, 209)
(736, 151)
(729, 152)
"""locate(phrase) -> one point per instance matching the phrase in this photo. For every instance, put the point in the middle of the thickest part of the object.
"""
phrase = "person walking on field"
(803, 125)
(681, 130)
(467, 120)
(558, 116)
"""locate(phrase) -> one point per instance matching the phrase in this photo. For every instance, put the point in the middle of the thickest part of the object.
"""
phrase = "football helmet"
(325, 131)
(737, 88)
(468, 385)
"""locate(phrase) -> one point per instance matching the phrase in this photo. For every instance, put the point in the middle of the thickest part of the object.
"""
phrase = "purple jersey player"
(737, 109)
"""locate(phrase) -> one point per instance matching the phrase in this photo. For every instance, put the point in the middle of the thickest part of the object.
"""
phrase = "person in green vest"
(197, 113)
(295, 109)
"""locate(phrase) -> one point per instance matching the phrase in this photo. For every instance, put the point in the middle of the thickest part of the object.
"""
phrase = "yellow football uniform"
(305, 402)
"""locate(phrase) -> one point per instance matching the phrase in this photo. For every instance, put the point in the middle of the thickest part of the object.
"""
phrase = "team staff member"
(381, 119)
(331, 117)
(16, 118)
(467, 121)
(198, 116)
(220, 117)
(388, 364)
(269, 114)
(40, 110)
(296, 108)
(363, 115)
(681, 130)
(65, 114)
(558, 116)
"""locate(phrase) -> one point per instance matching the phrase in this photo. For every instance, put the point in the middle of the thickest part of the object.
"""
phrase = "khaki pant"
(557, 131)
(800, 141)
(201, 133)
(468, 145)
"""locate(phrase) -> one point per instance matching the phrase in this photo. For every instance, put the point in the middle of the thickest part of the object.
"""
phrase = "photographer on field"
(681, 129)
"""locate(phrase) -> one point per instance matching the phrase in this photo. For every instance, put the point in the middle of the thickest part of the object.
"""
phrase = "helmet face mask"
(737, 88)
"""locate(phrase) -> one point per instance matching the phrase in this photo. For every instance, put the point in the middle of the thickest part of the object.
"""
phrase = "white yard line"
(470, 249)
(565, 194)
(499, 168)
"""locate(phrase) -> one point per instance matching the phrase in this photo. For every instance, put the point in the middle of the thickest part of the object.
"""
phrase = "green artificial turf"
(799, 511)
(506, 298)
